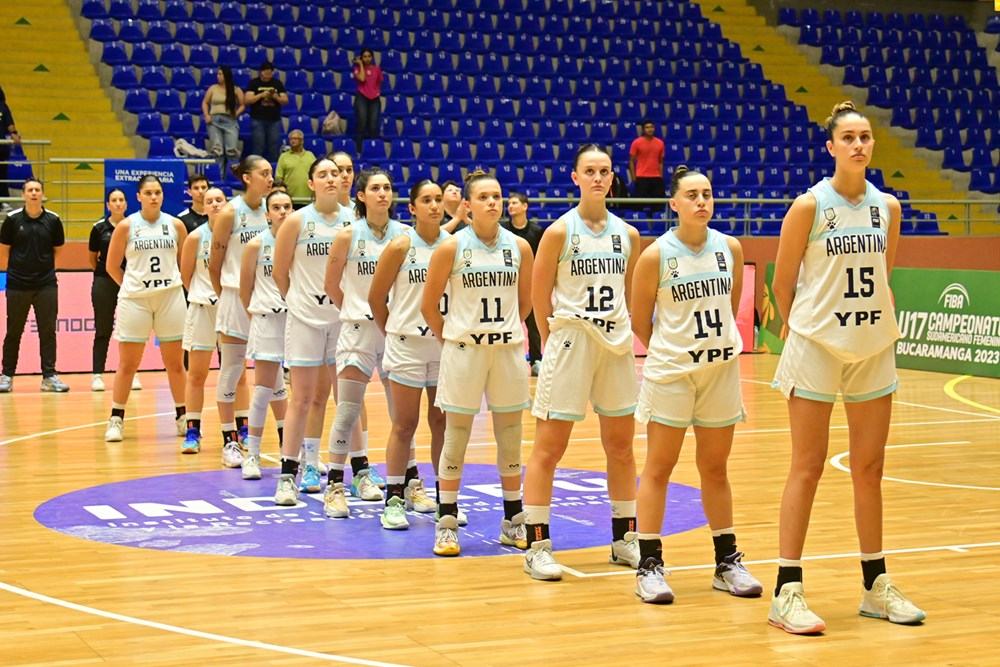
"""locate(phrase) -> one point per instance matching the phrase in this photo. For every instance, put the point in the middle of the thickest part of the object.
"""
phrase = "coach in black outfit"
(30, 239)
(517, 209)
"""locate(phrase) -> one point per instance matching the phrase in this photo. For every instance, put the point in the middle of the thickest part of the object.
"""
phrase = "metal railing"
(745, 220)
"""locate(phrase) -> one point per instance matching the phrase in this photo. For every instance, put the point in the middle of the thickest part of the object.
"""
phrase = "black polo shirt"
(268, 110)
(32, 241)
(532, 233)
(100, 239)
(192, 220)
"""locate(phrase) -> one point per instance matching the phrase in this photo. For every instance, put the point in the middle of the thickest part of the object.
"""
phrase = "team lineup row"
(336, 294)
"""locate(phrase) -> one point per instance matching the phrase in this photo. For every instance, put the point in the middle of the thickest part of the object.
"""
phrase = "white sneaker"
(417, 499)
(251, 467)
(540, 563)
(463, 520)
(116, 430)
(626, 551)
(446, 537)
(182, 425)
(886, 601)
(335, 501)
(514, 533)
(136, 385)
(394, 514)
(97, 383)
(362, 486)
(790, 612)
(287, 493)
(732, 576)
(232, 455)
(651, 584)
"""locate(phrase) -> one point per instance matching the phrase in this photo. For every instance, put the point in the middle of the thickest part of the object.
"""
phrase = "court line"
(957, 548)
(949, 389)
(836, 463)
(193, 633)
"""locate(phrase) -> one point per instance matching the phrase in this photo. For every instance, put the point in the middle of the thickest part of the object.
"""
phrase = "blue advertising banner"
(125, 174)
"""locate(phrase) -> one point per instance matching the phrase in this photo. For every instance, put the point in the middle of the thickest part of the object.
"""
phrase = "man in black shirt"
(30, 240)
(517, 209)
(265, 96)
(195, 216)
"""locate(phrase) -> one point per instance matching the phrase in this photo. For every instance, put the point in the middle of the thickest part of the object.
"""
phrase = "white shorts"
(199, 328)
(267, 337)
(162, 312)
(706, 397)
(411, 360)
(231, 318)
(811, 371)
(577, 368)
(468, 371)
(361, 345)
(306, 345)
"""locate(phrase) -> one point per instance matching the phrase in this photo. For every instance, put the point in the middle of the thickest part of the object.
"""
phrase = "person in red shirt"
(368, 100)
(645, 165)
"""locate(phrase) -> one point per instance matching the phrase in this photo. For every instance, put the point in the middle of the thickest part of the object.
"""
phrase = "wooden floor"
(70, 601)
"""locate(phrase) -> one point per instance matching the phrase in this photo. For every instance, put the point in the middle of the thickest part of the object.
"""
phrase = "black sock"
(281, 436)
(621, 526)
(787, 575)
(358, 463)
(725, 545)
(118, 412)
(334, 474)
(871, 569)
(437, 492)
(411, 473)
(512, 507)
(241, 422)
(289, 466)
(194, 423)
(650, 549)
(448, 508)
(537, 532)
(393, 490)
(230, 436)
(180, 410)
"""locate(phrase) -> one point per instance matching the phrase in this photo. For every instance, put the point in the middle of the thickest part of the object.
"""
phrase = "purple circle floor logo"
(217, 512)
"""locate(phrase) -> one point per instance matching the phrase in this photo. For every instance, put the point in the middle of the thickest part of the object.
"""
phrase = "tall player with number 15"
(831, 283)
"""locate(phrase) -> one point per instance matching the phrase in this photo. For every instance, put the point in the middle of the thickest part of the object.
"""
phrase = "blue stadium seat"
(153, 78)
(459, 152)
(186, 32)
(94, 9)
(183, 80)
(150, 124)
(129, 30)
(494, 129)
(123, 77)
(203, 11)
(431, 151)
(158, 32)
(181, 125)
(402, 151)
(313, 104)
(121, 10)
(113, 53)
(469, 130)
(283, 14)
(168, 101)
(161, 146)
(424, 106)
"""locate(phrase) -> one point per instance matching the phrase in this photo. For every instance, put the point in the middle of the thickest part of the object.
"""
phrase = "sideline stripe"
(949, 389)
(954, 548)
(193, 633)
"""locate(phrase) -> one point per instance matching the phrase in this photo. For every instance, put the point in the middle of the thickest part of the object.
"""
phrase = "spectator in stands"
(30, 241)
(520, 225)
(7, 131)
(293, 169)
(222, 107)
(195, 215)
(645, 165)
(455, 215)
(265, 96)
(368, 100)
(104, 291)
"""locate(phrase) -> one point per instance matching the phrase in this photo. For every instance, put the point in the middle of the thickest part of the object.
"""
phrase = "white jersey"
(362, 257)
(201, 282)
(307, 298)
(694, 326)
(590, 282)
(266, 298)
(408, 289)
(151, 257)
(247, 224)
(483, 289)
(842, 299)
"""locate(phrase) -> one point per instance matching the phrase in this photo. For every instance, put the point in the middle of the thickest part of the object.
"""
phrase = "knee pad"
(280, 391)
(231, 367)
(258, 406)
(456, 440)
(348, 414)
(509, 450)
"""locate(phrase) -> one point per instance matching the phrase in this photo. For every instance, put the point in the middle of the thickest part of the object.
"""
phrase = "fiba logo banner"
(948, 321)
(217, 512)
